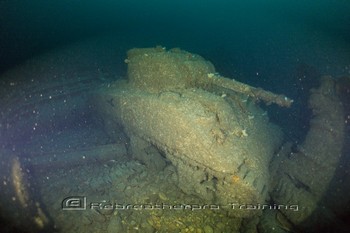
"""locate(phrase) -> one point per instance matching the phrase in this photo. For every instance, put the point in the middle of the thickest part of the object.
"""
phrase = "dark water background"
(248, 37)
(282, 46)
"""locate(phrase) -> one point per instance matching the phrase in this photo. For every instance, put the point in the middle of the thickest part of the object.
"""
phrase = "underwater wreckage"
(209, 127)
(220, 141)
(177, 111)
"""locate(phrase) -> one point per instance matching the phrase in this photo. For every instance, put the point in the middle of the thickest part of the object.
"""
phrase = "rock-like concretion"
(302, 177)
